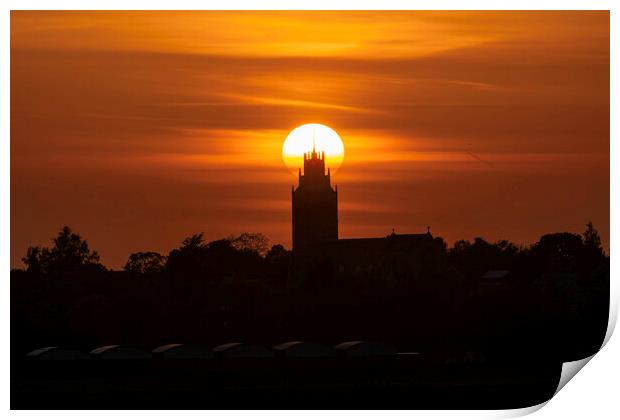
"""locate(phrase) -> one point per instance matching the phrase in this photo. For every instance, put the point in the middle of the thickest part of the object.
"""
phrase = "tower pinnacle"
(315, 204)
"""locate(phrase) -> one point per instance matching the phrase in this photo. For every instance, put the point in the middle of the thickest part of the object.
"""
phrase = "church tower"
(315, 205)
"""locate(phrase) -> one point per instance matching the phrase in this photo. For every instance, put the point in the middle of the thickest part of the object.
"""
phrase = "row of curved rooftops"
(290, 349)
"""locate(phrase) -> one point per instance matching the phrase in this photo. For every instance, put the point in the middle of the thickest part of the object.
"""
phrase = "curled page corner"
(520, 412)
(613, 313)
(569, 370)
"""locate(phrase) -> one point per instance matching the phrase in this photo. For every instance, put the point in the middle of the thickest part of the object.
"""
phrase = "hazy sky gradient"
(139, 129)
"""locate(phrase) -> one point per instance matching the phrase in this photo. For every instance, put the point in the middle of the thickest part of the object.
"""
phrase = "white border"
(593, 394)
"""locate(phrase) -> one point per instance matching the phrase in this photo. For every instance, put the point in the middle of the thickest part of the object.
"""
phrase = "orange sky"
(138, 129)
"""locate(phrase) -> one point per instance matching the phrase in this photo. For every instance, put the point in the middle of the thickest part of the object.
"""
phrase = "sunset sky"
(138, 129)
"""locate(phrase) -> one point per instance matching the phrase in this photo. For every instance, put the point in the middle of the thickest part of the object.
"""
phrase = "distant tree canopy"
(277, 253)
(240, 256)
(553, 252)
(69, 253)
(145, 262)
(473, 259)
(592, 241)
(250, 242)
(248, 256)
(568, 251)
(559, 248)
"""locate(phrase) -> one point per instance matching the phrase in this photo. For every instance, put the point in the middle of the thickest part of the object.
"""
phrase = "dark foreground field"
(401, 381)
(479, 325)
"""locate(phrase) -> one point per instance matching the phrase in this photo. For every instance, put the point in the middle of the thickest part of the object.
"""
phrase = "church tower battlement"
(315, 205)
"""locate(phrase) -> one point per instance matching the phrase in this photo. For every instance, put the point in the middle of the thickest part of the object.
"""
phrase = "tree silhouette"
(233, 257)
(277, 253)
(189, 257)
(558, 252)
(35, 259)
(250, 242)
(473, 259)
(592, 240)
(70, 252)
(145, 262)
(278, 261)
(193, 242)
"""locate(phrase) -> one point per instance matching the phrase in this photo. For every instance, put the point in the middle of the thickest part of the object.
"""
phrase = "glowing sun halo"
(303, 138)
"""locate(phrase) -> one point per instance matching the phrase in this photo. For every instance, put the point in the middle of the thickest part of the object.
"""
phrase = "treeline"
(554, 299)
(559, 251)
(71, 253)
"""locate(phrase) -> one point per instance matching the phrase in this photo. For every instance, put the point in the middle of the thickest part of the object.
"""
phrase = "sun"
(303, 138)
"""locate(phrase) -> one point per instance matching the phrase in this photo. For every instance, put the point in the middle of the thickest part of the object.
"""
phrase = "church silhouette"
(315, 205)
(388, 260)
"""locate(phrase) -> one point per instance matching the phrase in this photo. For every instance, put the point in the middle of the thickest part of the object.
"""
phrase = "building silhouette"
(390, 260)
(315, 205)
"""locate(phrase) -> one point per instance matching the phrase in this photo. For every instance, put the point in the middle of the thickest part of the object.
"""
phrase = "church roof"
(392, 237)
(401, 241)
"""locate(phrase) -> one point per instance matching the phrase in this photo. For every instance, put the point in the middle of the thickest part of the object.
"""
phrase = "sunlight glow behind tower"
(308, 136)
